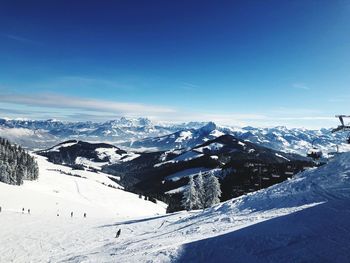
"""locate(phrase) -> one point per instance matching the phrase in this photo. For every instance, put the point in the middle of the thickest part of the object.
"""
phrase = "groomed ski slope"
(58, 192)
(305, 219)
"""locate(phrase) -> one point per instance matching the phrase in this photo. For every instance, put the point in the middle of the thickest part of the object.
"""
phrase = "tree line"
(16, 164)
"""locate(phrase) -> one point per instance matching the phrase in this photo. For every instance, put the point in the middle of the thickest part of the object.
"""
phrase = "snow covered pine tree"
(190, 198)
(212, 190)
(16, 164)
(200, 190)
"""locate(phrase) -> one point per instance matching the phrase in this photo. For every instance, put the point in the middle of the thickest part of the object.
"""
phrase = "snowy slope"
(305, 219)
(59, 189)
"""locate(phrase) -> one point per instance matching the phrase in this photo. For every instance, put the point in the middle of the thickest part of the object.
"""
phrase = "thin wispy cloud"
(87, 104)
(21, 39)
(344, 98)
(189, 86)
(287, 111)
(301, 86)
(88, 82)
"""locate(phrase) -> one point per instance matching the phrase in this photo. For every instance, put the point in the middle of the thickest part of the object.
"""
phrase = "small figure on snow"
(71, 214)
(118, 233)
(23, 210)
(84, 215)
(28, 211)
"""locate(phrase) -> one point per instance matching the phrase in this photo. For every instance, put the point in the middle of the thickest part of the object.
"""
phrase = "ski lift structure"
(343, 127)
(332, 154)
(314, 153)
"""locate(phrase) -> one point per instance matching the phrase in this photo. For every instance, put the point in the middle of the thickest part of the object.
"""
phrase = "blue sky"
(260, 63)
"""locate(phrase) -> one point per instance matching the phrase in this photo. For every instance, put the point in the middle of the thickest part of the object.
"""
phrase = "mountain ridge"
(142, 133)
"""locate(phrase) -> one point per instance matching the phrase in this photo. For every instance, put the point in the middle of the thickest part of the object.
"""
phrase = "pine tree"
(16, 164)
(212, 190)
(200, 190)
(190, 199)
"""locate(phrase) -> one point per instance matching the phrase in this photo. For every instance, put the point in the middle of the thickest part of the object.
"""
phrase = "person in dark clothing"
(84, 215)
(118, 233)
(28, 211)
(23, 210)
(71, 214)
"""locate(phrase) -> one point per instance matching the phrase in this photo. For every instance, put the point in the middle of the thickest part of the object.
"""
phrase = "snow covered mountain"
(85, 155)
(186, 138)
(295, 140)
(241, 166)
(305, 219)
(143, 134)
(38, 134)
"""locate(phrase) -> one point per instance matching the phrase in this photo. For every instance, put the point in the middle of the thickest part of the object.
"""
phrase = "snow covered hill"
(305, 219)
(241, 166)
(81, 154)
(62, 190)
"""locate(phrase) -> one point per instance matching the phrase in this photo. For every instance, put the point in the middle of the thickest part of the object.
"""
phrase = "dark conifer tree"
(16, 164)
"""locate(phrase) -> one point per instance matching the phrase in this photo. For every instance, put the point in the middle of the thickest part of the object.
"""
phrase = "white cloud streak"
(302, 86)
(87, 104)
(21, 39)
(76, 108)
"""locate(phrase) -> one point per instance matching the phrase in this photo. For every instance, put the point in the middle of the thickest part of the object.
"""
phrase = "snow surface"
(216, 133)
(215, 146)
(186, 173)
(184, 135)
(188, 156)
(281, 156)
(62, 145)
(57, 192)
(89, 163)
(109, 153)
(304, 219)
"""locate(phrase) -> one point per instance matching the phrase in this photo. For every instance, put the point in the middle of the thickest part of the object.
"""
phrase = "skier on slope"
(118, 233)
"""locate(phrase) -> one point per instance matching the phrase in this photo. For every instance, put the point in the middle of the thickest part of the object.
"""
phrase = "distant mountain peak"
(209, 127)
(128, 122)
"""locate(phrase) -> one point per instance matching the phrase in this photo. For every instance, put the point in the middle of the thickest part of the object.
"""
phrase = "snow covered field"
(305, 219)
(58, 191)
